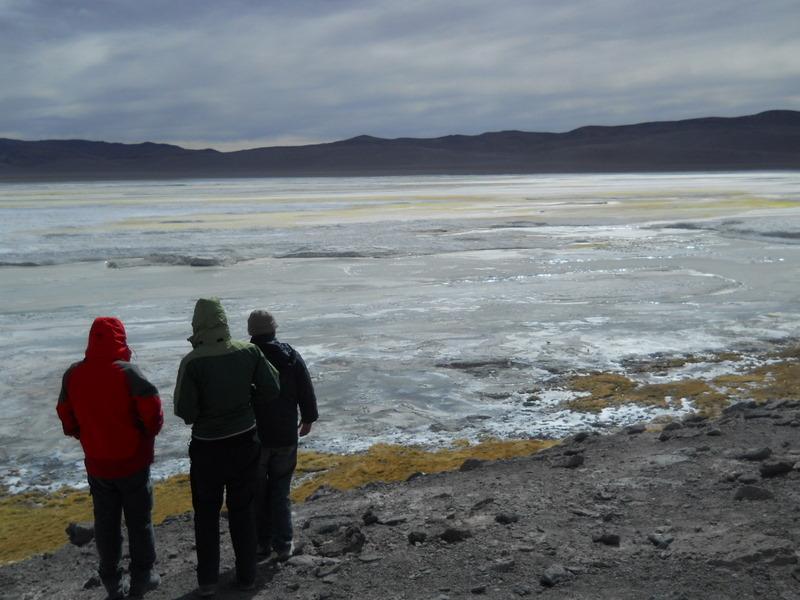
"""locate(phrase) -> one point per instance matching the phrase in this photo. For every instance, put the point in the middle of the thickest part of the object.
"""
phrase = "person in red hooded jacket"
(115, 412)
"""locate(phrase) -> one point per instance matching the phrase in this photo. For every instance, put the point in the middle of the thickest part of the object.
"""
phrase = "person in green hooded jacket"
(222, 386)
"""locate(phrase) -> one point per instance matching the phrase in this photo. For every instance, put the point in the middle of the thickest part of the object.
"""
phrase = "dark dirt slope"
(633, 515)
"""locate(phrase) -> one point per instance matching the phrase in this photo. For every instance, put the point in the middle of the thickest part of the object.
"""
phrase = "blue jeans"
(226, 467)
(133, 496)
(273, 506)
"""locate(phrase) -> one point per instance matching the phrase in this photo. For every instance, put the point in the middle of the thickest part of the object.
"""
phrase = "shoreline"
(700, 508)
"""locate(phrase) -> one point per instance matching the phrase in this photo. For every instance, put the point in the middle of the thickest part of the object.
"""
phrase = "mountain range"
(768, 140)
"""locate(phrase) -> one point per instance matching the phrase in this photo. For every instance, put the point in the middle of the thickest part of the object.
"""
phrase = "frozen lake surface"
(427, 308)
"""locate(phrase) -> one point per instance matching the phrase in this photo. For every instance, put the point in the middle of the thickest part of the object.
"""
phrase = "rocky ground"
(700, 509)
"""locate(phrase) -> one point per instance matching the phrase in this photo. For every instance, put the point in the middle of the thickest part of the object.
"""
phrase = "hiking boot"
(263, 552)
(206, 590)
(285, 553)
(141, 584)
(118, 591)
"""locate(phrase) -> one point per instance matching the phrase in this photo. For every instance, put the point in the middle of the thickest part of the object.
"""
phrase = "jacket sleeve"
(146, 401)
(306, 398)
(66, 414)
(185, 400)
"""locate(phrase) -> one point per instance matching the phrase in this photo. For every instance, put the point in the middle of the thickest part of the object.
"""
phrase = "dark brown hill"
(768, 140)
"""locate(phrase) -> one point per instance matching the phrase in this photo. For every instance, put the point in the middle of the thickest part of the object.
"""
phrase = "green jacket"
(221, 382)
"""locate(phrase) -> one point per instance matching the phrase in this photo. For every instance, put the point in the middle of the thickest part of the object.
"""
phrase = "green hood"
(209, 323)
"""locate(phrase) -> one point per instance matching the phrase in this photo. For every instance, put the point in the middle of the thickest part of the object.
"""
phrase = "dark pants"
(132, 495)
(273, 507)
(227, 466)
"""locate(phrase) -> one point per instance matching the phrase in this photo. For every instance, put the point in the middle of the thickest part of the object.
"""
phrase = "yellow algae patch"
(778, 381)
(388, 462)
(611, 389)
(35, 522)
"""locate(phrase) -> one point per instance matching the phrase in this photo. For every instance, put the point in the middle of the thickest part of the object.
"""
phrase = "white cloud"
(238, 72)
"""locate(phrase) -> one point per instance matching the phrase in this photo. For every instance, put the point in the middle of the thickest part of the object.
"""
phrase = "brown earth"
(683, 513)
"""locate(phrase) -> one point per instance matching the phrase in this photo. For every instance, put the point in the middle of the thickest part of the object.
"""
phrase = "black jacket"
(280, 427)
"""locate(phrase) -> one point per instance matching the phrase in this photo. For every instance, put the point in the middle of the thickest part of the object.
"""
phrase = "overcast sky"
(243, 73)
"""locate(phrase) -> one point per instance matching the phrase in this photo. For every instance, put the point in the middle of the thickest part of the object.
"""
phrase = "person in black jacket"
(279, 433)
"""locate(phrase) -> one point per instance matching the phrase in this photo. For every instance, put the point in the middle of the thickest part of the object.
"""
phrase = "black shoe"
(118, 591)
(141, 584)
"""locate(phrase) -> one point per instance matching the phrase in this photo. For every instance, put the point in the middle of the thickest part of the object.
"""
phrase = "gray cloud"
(243, 73)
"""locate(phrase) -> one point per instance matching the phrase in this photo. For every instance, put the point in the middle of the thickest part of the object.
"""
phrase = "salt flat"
(428, 309)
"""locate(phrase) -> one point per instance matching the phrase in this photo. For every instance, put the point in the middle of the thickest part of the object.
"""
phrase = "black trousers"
(133, 496)
(224, 467)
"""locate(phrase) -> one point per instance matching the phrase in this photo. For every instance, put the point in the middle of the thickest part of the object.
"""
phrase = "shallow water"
(428, 309)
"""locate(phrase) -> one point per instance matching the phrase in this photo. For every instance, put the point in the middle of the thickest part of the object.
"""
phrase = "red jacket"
(109, 406)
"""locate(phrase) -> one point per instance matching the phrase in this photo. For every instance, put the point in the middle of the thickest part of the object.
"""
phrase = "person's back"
(222, 385)
(278, 431)
(115, 412)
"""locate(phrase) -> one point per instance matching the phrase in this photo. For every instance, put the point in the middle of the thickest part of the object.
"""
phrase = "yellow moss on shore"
(777, 380)
(34, 522)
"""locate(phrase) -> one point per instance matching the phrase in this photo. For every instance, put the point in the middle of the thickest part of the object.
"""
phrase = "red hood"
(107, 340)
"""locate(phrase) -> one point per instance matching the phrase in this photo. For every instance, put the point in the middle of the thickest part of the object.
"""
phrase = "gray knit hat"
(260, 322)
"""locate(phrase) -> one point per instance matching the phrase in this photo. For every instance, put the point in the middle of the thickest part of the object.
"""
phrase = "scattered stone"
(369, 517)
(417, 537)
(80, 534)
(664, 436)
(673, 425)
(748, 478)
(773, 468)
(349, 540)
(554, 574)
(321, 492)
(92, 583)
(694, 419)
(585, 512)
(369, 558)
(451, 535)
(324, 571)
(751, 492)
(660, 540)
(580, 436)
(292, 586)
(740, 407)
(304, 561)
(415, 475)
(394, 520)
(755, 454)
(478, 589)
(570, 462)
(757, 548)
(506, 518)
(521, 591)
(573, 451)
(481, 504)
(714, 432)
(637, 428)
(609, 539)
(470, 464)
(503, 565)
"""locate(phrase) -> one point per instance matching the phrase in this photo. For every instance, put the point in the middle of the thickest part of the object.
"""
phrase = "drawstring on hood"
(107, 340)
(209, 323)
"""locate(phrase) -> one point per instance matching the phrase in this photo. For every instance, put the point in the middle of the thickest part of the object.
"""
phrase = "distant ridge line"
(767, 140)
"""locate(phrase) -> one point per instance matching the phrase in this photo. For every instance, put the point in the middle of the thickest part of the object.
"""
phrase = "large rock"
(451, 535)
(752, 492)
(774, 468)
(80, 534)
(555, 574)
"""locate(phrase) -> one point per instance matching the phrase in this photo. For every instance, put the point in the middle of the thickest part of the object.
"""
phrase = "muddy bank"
(699, 508)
